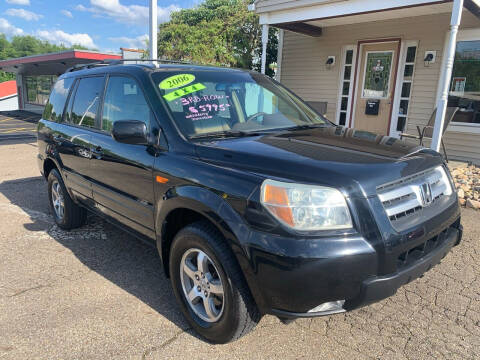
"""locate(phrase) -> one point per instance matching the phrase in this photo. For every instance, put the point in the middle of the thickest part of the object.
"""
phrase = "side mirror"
(130, 132)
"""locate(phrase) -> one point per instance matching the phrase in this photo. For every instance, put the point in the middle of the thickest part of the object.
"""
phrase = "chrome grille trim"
(405, 197)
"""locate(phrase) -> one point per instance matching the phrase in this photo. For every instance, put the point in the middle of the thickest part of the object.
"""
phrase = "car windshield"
(217, 102)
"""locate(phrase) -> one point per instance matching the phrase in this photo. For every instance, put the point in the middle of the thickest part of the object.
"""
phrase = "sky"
(105, 25)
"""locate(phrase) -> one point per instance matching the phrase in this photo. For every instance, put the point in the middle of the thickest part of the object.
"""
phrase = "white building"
(8, 96)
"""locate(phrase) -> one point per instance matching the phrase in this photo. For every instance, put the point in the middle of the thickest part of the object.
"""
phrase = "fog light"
(331, 307)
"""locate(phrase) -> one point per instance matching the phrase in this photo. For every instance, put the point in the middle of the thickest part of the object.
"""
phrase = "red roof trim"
(8, 88)
(95, 56)
(59, 56)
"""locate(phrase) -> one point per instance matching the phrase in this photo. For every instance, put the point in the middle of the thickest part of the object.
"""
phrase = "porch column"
(264, 47)
(153, 31)
(447, 63)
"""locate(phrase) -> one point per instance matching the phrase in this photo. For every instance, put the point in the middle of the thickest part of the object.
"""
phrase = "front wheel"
(209, 285)
(66, 213)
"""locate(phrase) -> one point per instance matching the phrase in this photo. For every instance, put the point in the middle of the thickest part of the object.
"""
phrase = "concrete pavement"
(97, 293)
(18, 125)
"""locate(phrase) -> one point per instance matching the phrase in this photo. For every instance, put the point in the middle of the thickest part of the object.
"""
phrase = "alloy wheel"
(202, 286)
(58, 200)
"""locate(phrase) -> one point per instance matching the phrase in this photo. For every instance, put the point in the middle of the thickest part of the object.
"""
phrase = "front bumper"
(329, 270)
(381, 287)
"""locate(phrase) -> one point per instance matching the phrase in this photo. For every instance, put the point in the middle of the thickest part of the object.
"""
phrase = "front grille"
(412, 194)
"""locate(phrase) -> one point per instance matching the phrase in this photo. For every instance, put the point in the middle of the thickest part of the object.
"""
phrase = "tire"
(238, 314)
(73, 215)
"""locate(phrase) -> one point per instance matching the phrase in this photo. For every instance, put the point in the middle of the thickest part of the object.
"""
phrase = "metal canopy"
(52, 64)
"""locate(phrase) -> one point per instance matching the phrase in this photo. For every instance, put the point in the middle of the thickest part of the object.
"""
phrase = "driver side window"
(124, 100)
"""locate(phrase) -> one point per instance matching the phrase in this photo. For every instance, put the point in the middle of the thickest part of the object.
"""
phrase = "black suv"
(256, 203)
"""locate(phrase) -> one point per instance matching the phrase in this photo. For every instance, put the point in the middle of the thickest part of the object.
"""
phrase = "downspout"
(447, 63)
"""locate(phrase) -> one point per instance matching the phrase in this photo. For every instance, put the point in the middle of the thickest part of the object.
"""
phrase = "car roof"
(103, 68)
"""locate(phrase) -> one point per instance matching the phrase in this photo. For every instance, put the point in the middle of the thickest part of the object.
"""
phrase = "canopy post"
(264, 47)
(447, 64)
(153, 31)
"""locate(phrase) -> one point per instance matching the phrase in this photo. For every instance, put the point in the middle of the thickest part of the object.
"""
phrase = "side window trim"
(98, 116)
(69, 102)
(102, 102)
(70, 92)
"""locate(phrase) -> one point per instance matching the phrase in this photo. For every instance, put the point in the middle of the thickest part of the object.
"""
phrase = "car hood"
(356, 161)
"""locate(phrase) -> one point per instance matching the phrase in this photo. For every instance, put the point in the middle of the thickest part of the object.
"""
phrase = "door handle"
(58, 138)
(97, 152)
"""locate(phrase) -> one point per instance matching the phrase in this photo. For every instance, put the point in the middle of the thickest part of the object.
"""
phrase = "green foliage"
(25, 46)
(468, 67)
(216, 32)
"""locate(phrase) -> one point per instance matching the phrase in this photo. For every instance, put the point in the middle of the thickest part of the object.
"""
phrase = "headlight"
(447, 180)
(305, 207)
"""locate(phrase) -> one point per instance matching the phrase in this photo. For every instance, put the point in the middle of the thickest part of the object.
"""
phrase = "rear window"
(87, 99)
(212, 101)
(56, 102)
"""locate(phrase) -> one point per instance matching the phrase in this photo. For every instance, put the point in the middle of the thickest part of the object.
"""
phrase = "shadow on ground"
(118, 257)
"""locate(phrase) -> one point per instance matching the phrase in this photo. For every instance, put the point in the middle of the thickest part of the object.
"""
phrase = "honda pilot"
(256, 203)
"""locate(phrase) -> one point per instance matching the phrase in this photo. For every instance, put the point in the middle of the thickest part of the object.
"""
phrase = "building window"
(38, 88)
(377, 74)
(465, 84)
(346, 87)
(406, 88)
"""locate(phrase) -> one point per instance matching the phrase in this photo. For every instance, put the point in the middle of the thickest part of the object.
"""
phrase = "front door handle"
(97, 152)
(58, 139)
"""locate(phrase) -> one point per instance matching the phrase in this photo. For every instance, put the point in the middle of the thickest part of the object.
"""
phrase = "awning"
(54, 63)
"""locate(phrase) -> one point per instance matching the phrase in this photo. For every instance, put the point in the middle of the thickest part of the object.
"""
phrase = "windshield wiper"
(306, 126)
(225, 134)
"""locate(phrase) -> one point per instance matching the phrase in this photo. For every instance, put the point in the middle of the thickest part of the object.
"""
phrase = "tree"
(217, 32)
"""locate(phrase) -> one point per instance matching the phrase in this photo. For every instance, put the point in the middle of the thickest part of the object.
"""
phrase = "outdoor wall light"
(430, 57)
(330, 61)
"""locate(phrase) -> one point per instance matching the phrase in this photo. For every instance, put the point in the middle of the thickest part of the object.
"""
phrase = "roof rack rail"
(108, 62)
(164, 61)
(86, 66)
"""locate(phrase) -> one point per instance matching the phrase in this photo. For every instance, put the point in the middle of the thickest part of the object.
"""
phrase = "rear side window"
(124, 100)
(85, 104)
(56, 102)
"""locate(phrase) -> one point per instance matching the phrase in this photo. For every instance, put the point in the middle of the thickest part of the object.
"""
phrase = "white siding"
(304, 70)
(9, 103)
(463, 146)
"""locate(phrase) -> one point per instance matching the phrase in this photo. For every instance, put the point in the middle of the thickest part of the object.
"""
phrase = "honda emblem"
(426, 192)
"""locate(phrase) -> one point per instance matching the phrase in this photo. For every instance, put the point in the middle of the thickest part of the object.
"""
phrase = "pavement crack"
(23, 291)
(163, 345)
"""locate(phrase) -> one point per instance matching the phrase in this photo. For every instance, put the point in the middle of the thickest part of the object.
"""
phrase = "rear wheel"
(209, 285)
(66, 213)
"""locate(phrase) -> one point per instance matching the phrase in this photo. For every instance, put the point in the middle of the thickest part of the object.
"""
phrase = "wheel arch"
(191, 204)
(186, 204)
(48, 165)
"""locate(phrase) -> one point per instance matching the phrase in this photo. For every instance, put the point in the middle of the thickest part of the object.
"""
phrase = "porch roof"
(310, 16)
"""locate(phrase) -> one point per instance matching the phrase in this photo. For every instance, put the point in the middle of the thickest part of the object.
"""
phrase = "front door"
(376, 87)
(122, 174)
